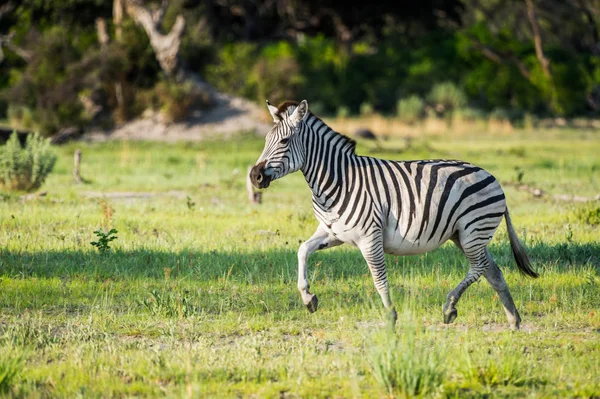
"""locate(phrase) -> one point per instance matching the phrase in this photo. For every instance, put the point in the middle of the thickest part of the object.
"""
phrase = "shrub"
(366, 109)
(343, 112)
(501, 114)
(177, 99)
(20, 116)
(25, 169)
(469, 114)
(277, 75)
(234, 65)
(447, 96)
(410, 109)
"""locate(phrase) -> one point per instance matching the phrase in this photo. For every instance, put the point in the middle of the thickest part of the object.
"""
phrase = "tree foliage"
(536, 56)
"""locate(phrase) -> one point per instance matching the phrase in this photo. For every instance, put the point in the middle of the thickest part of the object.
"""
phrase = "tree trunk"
(537, 38)
(166, 47)
(118, 18)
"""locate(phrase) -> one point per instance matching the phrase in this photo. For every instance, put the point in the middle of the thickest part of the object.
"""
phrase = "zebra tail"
(518, 250)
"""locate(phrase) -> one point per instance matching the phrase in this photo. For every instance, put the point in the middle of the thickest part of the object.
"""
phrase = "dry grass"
(394, 127)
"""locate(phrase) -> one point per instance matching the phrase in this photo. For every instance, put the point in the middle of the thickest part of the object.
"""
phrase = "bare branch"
(166, 47)
(159, 14)
(102, 32)
(6, 8)
(118, 18)
(6, 41)
(537, 38)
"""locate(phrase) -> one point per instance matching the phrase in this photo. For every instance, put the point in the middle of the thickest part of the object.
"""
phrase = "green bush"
(20, 116)
(232, 70)
(447, 96)
(176, 100)
(500, 114)
(366, 109)
(343, 112)
(410, 109)
(277, 76)
(25, 169)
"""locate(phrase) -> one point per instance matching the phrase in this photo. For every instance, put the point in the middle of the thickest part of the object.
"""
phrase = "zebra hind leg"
(373, 253)
(478, 264)
(494, 276)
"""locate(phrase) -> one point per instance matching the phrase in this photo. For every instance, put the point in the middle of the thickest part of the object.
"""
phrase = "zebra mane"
(283, 108)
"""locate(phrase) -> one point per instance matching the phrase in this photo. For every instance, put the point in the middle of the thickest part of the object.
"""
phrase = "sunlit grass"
(197, 296)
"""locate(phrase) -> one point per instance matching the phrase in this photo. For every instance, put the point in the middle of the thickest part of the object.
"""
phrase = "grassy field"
(197, 296)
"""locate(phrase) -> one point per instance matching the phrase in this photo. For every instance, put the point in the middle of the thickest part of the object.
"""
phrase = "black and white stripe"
(383, 206)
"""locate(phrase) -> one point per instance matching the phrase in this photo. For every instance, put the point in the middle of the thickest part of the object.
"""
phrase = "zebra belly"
(394, 243)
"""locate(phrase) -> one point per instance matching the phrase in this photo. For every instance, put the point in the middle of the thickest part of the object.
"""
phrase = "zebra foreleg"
(373, 253)
(319, 240)
(478, 265)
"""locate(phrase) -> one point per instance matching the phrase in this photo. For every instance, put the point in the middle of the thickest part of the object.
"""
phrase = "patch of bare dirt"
(230, 115)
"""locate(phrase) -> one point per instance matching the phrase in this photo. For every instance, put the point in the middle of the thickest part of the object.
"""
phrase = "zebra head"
(283, 152)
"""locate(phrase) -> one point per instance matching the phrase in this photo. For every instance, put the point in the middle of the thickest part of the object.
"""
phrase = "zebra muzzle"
(258, 177)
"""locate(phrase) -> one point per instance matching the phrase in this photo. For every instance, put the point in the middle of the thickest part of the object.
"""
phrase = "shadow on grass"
(181, 284)
(278, 265)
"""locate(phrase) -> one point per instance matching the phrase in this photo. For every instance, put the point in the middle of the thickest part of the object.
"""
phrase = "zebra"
(385, 206)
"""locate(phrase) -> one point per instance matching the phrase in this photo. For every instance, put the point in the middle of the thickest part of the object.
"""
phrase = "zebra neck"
(328, 155)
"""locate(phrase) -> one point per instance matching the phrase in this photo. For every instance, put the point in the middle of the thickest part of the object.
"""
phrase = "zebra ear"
(274, 112)
(300, 113)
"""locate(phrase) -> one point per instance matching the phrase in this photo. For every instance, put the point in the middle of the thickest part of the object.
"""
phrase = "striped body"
(383, 206)
(418, 205)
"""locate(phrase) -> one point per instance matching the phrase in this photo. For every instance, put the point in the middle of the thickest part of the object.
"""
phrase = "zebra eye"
(284, 141)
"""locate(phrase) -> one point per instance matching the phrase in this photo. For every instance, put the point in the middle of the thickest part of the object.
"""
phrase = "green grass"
(197, 295)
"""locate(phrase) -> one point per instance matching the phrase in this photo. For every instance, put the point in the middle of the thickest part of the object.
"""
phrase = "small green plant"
(520, 174)
(25, 169)
(104, 239)
(190, 203)
(168, 303)
(410, 109)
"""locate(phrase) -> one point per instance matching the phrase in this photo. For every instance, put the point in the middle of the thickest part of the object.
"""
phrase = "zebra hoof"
(450, 316)
(313, 304)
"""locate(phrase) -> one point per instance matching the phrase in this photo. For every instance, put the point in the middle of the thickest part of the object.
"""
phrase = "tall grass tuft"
(408, 365)
(25, 169)
(10, 368)
(499, 370)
